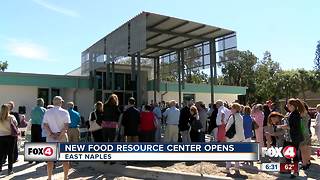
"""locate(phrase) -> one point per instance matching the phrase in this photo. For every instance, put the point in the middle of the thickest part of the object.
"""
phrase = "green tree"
(238, 67)
(317, 58)
(238, 70)
(3, 65)
(266, 79)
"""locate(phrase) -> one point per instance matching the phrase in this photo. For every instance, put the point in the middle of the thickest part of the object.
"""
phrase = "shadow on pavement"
(161, 164)
(250, 169)
(234, 176)
(39, 172)
(314, 171)
(88, 172)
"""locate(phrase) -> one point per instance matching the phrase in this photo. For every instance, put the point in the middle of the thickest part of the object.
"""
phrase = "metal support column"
(182, 68)
(113, 77)
(133, 68)
(158, 74)
(155, 80)
(139, 103)
(179, 75)
(108, 75)
(212, 65)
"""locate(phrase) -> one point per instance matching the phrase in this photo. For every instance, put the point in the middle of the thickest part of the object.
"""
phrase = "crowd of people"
(110, 122)
(51, 124)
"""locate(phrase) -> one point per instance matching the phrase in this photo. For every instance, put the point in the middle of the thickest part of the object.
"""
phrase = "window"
(104, 80)
(130, 85)
(44, 94)
(55, 92)
(119, 81)
(189, 97)
(99, 79)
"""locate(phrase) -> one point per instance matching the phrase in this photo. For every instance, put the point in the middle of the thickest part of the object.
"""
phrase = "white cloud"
(53, 7)
(27, 49)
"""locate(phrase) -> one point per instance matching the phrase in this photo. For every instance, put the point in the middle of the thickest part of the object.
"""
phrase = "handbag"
(94, 126)
(23, 123)
(232, 130)
(255, 125)
(14, 129)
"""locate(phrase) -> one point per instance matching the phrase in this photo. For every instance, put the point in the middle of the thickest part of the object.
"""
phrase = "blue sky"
(48, 36)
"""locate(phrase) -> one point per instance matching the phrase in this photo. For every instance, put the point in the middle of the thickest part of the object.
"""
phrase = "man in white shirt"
(172, 115)
(56, 122)
(221, 117)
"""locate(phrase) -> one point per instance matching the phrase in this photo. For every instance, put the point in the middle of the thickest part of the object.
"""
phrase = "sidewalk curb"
(148, 173)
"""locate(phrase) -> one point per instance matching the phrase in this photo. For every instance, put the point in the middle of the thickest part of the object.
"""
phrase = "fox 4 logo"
(288, 152)
(46, 151)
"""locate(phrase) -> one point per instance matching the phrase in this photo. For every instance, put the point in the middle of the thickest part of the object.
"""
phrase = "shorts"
(64, 139)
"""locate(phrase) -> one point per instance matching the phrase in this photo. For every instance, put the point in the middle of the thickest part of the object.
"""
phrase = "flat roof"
(154, 35)
(43, 80)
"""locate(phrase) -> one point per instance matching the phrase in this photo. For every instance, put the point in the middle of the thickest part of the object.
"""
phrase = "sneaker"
(10, 172)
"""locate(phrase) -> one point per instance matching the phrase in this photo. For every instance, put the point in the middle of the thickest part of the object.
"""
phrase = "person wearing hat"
(56, 123)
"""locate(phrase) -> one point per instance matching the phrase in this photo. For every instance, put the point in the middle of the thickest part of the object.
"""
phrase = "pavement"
(152, 170)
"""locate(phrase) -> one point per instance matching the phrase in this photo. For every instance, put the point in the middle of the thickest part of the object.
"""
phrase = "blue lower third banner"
(152, 152)
(158, 152)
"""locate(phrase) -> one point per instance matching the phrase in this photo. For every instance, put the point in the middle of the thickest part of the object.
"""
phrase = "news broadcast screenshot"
(163, 90)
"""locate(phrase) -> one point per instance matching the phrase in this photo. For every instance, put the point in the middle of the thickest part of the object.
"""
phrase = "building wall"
(204, 97)
(84, 100)
(21, 95)
(27, 95)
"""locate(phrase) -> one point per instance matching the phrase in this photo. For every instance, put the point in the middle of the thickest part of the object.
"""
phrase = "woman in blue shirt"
(247, 124)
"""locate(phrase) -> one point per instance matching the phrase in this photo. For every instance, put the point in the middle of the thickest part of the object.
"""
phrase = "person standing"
(56, 122)
(304, 146)
(221, 120)
(236, 120)
(196, 125)
(131, 121)
(111, 114)
(73, 131)
(317, 124)
(184, 122)
(247, 124)
(11, 105)
(43, 131)
(266, 112)
(16, 115)
(7, 141)
(203, 117)
(147, 125)
(296, 108)
(158, 116)
(37, 114)
(172, 115)
(97, 115)
(258, 117)
(212, 120)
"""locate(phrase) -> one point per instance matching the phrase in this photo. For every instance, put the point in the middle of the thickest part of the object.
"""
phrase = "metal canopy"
(153, 35)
